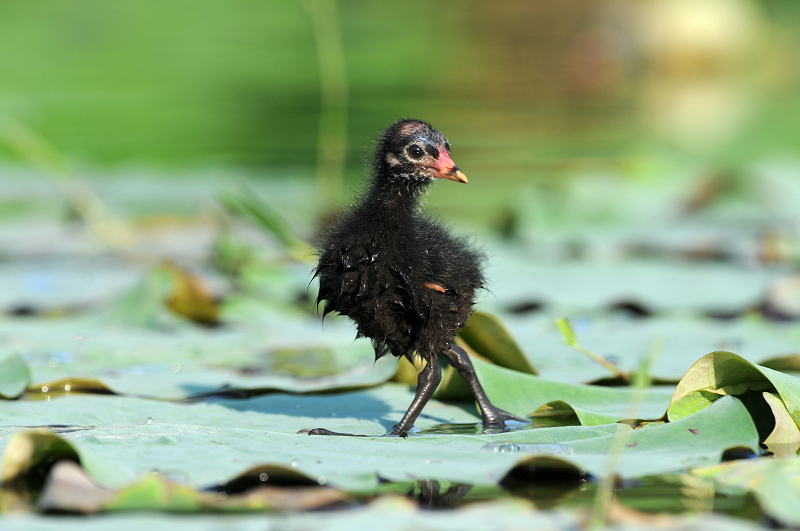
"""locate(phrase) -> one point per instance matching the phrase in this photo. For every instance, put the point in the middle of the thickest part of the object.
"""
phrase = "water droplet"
(263, 476)
(223, 482)
(223, 495)
(149, 420)
(45, 388)
(48, 398)
(530, 448)
(54, 362)
(294, 464)
(582, 485)
(176, 368)
(501, 448)
(68, 388)
(321, 480)
(333, 414)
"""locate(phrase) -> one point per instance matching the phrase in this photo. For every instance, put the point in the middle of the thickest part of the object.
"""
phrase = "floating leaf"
(281, 499)
(30, 454)
(720, 373)
(143, 305)
(691, 404)
(14, 376)
(784, 440)
(571, 415)
(783, 297)
(70, 385)
(272, 475)
(566, 330)
(153, 492)
(407, 372)
(69, 488)
(700, 439)
(724, 373)
(779, 493)
(487, 336)
(624, 341)
(787, 363)
(190, 298)
(657, 286)
(775, 483)
(523, 394)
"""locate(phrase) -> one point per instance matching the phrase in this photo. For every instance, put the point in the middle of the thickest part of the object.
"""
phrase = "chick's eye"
(447, 146)
(415, 152)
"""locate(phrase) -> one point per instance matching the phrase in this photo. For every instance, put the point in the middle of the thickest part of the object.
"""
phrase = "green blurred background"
(527, 91)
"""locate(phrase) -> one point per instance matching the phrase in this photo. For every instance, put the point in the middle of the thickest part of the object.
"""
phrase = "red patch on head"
(410, 128)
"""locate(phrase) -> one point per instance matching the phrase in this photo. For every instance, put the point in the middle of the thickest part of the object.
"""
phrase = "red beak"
(445, 168)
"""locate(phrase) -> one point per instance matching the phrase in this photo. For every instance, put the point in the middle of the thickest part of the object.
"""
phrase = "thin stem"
(332, 142)
(572, 341)
(605, 492)
(99, 218)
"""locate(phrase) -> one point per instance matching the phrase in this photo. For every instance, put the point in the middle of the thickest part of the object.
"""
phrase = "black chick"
(406, 282)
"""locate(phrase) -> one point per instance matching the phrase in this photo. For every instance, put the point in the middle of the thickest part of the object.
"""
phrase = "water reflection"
(476, 428)
(431, 496)
(551, 487)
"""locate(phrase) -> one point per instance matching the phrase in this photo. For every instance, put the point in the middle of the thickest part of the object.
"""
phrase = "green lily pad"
(720, 373)
(624, 342)
(788, 363)
(263, 355)
(571, 415)
(29, 455)
(487, 336)
(693, 441)
(228, 438)
(569, 287)
(69, 385)
(784, 440)
(779, 494)
(775, 483)
(14, 376)
(524, 394)
(69, 488)
(154, 493)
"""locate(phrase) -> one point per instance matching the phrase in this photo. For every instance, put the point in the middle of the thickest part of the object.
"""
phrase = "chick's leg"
(493, 417)
(427, 382)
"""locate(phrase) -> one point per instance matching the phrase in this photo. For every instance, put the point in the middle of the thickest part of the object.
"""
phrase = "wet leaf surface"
(226, 438)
